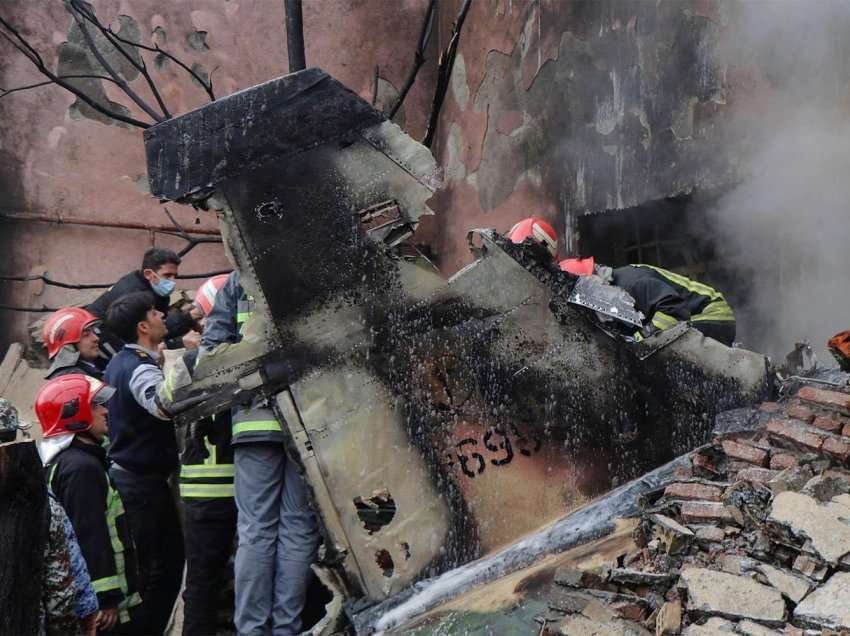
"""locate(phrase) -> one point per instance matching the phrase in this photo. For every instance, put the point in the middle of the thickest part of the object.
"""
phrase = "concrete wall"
(556, 107)
(561, 108)
(59, 157)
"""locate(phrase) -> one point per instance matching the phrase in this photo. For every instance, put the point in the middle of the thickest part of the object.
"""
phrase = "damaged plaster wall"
(59, 157)
(563, 108)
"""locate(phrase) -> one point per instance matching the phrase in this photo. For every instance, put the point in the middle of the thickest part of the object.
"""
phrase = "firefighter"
(157, 275)
(143, 451)
(206, 487)
(73, 417)
(666, 298)
(71, 339)
(536, 230)
(278, 532)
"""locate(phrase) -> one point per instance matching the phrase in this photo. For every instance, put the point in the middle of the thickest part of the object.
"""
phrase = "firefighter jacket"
(224, 325)
(206, 472)
(78, 478)
(666, 298)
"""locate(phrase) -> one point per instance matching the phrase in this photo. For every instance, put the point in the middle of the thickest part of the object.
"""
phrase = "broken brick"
(703, 462)
(837, 447)
(744, 452)
(799, 434)
(756, 475)
(800, 412)
(781, 461)
(770, 407)
(710, 534)
(672, 534)
(810, 567)
(828, 424)
(692, 491)
(832, 400)
(705, 511)
(630, 611)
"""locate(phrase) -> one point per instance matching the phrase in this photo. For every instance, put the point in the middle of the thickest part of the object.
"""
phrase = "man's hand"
(196, 313)
(192, 340)
(106, 618)
(88, 625)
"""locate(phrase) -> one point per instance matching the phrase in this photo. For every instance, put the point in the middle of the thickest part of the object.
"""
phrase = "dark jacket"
(206, 472)
(138, 441)
(177, 323)
(78, 478)
(666, 298)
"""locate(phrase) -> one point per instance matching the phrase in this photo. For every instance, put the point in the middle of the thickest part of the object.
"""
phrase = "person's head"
(538, 231)
(74, 404)
(74, 327)
(578, 266)
(134, 318)
(159, 267)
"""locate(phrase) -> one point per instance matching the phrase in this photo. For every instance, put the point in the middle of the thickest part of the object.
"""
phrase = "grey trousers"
(278, 539)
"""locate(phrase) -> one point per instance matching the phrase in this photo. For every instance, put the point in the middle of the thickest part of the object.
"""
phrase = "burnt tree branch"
(207, 85)
(122, 84)
(13, 36)
(444, 73)
(139, 65)
(7, 91)
(418, 56)
(191, 241)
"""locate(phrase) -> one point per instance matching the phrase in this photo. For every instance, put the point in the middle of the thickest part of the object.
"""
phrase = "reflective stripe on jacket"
(255, 424)
(207, 461)
(666, 298)
(78, 478)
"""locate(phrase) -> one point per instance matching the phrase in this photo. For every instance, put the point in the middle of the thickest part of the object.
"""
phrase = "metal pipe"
(125, 225)
(295, 35)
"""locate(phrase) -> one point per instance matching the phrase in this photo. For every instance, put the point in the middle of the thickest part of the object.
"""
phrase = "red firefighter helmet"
(538, 230)
(205, 296)
(578, 266)
(63, 405)
(66, 326)
(839, 347)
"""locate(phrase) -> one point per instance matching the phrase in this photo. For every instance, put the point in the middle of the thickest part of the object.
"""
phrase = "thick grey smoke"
(785, 229)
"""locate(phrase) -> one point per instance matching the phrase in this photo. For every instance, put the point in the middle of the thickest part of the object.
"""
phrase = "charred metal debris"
(420, 410)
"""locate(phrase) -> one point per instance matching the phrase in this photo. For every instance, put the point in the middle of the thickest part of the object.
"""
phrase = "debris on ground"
(754, 538)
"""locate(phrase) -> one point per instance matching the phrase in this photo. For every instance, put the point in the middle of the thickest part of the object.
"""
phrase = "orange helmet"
(63, 405)
(839, 347)
(205, 296)
(538, 230)
(66, 326)
(578, 266)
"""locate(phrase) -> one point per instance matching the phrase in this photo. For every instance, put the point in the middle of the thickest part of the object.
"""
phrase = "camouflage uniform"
(58, 592)
(85, 598)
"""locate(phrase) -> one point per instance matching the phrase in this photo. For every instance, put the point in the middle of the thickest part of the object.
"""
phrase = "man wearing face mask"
(157, 275)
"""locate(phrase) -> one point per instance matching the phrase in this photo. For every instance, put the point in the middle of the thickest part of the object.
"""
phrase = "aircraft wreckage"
(436, 422)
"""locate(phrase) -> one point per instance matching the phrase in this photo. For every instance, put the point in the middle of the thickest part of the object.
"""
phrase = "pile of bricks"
(752, 538)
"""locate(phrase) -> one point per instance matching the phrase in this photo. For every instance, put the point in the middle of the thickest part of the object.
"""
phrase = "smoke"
(784, 230)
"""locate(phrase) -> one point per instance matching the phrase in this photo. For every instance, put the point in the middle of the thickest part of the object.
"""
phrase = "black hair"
(156, 257)
(125, 313)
